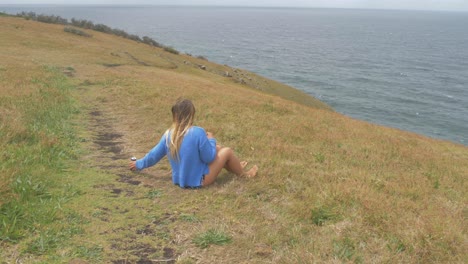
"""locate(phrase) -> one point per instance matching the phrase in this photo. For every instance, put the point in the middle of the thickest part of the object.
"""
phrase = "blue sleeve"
(207, 148)
(154, 156)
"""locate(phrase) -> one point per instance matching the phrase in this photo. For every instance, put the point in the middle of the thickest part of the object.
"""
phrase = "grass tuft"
(189, 218)
(211, 237)
(319, 157)
(45, 242)
(92, 253)
(323, 214)
(345, 249)
(395, 245)
(154, 194)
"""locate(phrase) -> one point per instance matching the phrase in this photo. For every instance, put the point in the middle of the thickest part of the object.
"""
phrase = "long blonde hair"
(183, 113)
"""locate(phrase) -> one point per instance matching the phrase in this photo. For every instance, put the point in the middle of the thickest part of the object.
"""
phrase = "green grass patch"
(92, 253)
(154, 194)
(189, 218)
(345, 249)
(45, 242)
(211, 237)
(319, 157)
(38, 147)
(323, 214)
(434, 178)
(396, 245)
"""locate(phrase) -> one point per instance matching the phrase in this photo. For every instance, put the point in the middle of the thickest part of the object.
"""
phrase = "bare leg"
(225, 158)
(243, 163)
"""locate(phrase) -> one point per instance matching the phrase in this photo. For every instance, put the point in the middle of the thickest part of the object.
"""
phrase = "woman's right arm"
(153, 156)
(207, 147)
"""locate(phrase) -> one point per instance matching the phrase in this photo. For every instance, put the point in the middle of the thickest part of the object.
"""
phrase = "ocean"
(402, 69)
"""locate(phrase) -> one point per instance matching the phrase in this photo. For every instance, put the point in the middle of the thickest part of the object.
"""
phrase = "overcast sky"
(454, 5)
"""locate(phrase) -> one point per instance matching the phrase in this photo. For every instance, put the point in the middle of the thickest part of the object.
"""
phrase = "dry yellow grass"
(330, 188)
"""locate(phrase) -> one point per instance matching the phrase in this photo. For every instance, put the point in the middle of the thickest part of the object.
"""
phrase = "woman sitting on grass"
(195, 158)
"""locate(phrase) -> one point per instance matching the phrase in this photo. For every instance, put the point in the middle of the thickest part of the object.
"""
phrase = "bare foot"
(243, 164)
(252, 172)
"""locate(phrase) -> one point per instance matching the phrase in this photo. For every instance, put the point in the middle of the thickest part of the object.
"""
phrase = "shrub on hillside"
(82, 23)
(27, 15)
(52, 19)
(171, 50)
(102, 28)
(135, 38)
(151, 42)
(43, 18)
(120, 33)
(77, 32)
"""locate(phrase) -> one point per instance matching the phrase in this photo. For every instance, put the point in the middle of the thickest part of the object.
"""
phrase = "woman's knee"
(226, 151)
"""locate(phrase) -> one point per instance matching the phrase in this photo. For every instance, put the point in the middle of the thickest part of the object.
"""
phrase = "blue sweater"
(196, 152)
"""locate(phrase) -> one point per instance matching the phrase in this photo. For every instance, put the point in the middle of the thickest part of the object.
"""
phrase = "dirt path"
(128, 227)
(108, 146)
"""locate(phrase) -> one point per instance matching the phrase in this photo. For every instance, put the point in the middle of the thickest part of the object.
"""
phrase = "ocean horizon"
(402, 69)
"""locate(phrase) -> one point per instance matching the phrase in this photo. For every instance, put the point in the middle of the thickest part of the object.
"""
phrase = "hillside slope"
(330, 188)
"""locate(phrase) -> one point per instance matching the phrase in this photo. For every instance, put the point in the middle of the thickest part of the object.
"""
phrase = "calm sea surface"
(404, 69)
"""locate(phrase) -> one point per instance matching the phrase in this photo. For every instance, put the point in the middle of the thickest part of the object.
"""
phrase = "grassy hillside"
(330, 188)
